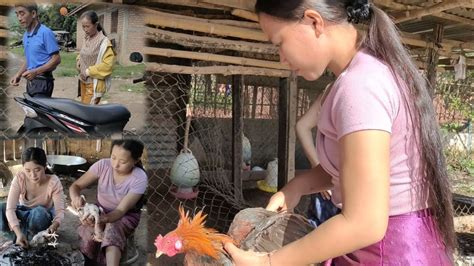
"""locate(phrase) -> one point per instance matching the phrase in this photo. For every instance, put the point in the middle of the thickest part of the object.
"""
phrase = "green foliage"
(17, 50)
(125, 72)
(49, 15)
(458, 160)
(67, 68)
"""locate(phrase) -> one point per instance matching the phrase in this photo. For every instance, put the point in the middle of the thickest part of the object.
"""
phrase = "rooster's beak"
(158, 254)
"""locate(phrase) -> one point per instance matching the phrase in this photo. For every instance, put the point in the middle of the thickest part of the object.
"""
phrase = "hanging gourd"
(184, 172)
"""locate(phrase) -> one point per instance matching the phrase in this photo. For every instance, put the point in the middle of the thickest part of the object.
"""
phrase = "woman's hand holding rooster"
(247, 258)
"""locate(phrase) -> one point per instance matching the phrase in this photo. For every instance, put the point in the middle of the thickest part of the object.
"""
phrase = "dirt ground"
(66, 87)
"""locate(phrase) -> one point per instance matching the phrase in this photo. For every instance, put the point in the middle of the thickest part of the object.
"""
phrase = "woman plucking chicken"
(35, 201)
(120, 193)
(377, 141)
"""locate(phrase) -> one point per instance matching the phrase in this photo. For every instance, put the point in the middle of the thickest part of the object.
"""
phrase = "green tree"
(49, 15)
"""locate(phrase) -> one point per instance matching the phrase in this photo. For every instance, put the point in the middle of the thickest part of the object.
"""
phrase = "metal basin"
(66, 164)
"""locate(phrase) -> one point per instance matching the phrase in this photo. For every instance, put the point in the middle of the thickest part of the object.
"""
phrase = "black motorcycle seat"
(96, 114)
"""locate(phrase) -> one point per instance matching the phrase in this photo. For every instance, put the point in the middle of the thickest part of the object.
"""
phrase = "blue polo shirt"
(39, 45)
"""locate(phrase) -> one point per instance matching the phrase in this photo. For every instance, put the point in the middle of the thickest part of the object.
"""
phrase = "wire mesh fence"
(454, 103)
(204, 150)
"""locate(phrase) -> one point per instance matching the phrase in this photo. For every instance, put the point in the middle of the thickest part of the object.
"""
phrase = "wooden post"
(237, 134)
(433, 57)
(293, 107)
(182, 95)
(283, 133)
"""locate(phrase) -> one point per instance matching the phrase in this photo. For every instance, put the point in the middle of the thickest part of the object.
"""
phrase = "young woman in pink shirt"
(120, 192)
(35, 201)
(378, 141)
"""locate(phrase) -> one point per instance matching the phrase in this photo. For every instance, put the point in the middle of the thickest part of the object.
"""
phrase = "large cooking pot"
(66, 164)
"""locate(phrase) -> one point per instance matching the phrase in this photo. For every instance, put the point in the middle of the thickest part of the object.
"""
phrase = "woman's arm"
(58, 201)
(305, 183)
(126, 204)
(12, 202)
(78, 62)
(310, 181)
(104, 69)
(75, 189)
(365, 172)
(304, 128)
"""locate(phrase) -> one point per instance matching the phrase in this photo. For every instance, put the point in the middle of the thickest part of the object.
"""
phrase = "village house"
(123, 25)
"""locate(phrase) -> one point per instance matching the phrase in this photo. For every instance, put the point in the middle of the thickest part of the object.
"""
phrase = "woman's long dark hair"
(93, 18)
(135, 148)
(383, 41)
(35, 155)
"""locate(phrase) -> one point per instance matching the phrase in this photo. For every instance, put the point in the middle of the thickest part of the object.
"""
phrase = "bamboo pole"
(218, 70)
(190, 3)
(185, 23)
(243, 24)
(188, 40)
(438, 8)
(403, 7)
(292, 118)
(241, 4)
(3, 33)
(393, 5)
(448, 45)
(195, 24)
(3, 53)
(245, 14)
(229, 22)
(3, 21)
(213, 57)
(433, 57)
(451, 17)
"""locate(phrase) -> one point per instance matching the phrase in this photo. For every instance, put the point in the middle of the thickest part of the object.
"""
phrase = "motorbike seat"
(96, 114)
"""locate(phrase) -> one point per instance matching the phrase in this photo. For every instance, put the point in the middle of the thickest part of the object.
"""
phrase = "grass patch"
(135, 88)
(125, 72)
(67, 68)
(17, 50)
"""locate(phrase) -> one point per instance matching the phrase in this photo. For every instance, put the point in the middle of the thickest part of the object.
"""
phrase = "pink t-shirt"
(366, 96)
(54, 196)
(110, 194)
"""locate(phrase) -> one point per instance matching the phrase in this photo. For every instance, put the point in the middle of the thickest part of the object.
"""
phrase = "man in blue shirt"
(41, 52)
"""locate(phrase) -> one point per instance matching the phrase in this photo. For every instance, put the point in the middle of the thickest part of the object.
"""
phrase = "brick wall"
(130, 31)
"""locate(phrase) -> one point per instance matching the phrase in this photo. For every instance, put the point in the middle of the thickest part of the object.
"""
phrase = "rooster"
(192, 238)
(252, 229)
